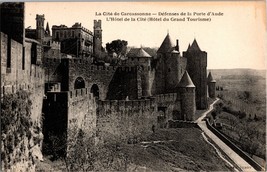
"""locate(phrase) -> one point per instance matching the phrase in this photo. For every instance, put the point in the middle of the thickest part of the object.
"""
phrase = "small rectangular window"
(8, 62)
(23, 58)
(72, 34)
(57, 35)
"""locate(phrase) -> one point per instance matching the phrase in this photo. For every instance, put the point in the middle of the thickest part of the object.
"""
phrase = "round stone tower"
(144, 60)
(197, 68)
(187, 93)
(211, 86)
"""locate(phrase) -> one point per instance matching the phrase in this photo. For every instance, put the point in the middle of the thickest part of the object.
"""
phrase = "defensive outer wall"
(20, 71)
(70, 110)
(108, 120)
(122, 120)
(113, 82)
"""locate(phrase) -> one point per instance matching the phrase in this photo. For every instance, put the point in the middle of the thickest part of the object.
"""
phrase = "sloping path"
(226, 149)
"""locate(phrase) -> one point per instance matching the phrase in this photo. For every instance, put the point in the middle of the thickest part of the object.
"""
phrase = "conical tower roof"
(166, 45)
(47, 30)
(210, 78)
(142, 53)
(186, 81)
(194, 46)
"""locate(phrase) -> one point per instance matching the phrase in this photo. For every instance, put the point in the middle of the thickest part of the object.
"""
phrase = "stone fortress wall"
(118, 102)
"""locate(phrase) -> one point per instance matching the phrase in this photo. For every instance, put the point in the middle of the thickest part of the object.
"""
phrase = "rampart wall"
(165, 99)
(240, 152)
(92, 74)
(21, 74)
(82, 110)
(170, 104)
(123, 120)
(182, 124)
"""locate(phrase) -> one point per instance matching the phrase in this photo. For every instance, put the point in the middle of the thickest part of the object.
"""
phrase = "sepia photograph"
(133, 86)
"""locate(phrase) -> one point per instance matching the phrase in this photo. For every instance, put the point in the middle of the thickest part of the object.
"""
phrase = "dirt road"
(239, 161)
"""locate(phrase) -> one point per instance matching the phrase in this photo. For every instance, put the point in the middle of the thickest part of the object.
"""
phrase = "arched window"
(79, 83)
(95, 90)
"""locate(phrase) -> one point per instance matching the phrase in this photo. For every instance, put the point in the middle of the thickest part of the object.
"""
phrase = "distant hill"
(236, 73)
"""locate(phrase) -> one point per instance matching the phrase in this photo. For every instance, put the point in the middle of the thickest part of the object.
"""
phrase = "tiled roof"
(138, 52)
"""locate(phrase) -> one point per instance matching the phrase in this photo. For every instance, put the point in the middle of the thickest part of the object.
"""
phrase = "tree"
(81, 151)
(117, 46)
(76, 148)
(214, 114)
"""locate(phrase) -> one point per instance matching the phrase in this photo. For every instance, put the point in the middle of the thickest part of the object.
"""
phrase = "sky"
(235, 39)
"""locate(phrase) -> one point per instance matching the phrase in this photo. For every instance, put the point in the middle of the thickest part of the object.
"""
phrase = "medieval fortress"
(69, 87)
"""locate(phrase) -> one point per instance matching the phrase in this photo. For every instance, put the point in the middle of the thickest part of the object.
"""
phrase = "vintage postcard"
(133, 86)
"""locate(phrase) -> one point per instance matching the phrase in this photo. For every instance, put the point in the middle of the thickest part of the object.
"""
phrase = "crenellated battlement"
(127, 69)
(54, 43)
(121, 105)
(166, 97)
(87, 30)
(13, 88)
(80, 93)
(107, 68)
(136, 62)
(124, 119)
(92, 67)
(52, 60)
(97, 23)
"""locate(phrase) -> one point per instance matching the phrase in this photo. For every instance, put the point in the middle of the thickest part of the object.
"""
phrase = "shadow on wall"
(123, 84)
(79, 83)
(95, 90)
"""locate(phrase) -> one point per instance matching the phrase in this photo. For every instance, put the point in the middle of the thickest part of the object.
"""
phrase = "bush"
(15, 122)
(214, 114)
(15, 110)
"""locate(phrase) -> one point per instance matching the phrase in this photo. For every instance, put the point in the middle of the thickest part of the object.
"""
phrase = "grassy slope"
(182, 149)
(187, 151)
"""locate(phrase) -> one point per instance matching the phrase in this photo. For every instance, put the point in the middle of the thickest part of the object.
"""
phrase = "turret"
(39, 27)
(172, 75)
(47, 30)
(211, 86)
(146, 88)
(97, 37)
(187, 92)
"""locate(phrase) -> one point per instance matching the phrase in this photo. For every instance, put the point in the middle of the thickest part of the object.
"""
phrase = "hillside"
(165, 150)
(218, 73)
(243, 95)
